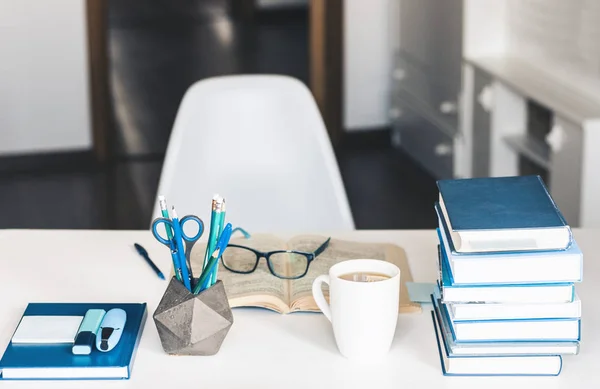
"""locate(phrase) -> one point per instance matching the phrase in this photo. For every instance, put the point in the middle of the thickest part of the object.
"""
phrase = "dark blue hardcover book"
(502, 214)
(56, 361)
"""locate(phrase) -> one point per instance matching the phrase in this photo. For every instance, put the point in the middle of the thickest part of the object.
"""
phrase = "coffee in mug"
(364, 277)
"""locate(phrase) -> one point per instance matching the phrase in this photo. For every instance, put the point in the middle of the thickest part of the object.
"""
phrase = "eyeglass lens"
(239, 259)
(285, 265)
(288, 264)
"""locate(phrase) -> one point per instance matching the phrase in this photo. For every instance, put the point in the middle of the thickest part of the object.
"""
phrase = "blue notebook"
(56, 361)
(502, 214)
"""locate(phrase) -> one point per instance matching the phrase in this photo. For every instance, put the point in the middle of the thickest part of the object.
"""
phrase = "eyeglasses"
(286, 264)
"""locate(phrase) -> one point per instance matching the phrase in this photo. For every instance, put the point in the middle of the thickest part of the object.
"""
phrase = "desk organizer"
(190, 324)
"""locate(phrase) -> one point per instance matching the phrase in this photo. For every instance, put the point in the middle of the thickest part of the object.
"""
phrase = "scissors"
(181, 258)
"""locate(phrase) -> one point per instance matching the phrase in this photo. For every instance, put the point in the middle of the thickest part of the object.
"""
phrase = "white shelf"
(544, 86)
(532, 149)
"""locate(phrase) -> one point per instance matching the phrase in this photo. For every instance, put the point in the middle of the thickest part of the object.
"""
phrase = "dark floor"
(385, 188)
(157, 50)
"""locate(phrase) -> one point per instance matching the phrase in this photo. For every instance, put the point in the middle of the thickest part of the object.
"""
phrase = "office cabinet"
(503, 140)
(424, 142)
(426, 82)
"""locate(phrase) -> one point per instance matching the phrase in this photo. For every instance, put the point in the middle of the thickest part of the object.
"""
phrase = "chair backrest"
(260, 142)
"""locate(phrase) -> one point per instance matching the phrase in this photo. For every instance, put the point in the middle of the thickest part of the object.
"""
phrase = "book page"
(338, 251)
(259, 288)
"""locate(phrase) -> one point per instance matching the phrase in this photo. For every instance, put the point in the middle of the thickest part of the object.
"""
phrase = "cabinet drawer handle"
(395, 113)
(449, 107)
(486, 98)
(556, 138)
(398, 74)
(443, 149)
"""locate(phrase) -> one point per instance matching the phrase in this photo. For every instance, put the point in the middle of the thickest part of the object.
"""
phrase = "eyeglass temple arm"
(321, 248)
(244, 232)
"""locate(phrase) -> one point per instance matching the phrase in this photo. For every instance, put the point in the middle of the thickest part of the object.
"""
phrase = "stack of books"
(506, 302)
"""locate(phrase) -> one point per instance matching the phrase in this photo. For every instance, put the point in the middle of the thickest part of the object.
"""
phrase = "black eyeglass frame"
(266, 255)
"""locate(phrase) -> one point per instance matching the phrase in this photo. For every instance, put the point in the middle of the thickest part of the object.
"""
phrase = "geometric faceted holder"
(190, 324)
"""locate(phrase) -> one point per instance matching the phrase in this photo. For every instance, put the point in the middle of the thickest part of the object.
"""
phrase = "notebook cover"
(495, 203)
(60, 355)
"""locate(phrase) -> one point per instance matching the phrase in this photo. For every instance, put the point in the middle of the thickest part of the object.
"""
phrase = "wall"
(484, 28)
(561, 38)
(565, 32)
(558, 37)
(369, 41)
(44, 86)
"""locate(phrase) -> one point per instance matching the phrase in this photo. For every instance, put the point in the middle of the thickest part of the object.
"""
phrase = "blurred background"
(411, 91)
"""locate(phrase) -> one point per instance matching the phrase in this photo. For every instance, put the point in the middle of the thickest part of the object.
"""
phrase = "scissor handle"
(168, 224)
(195, 219)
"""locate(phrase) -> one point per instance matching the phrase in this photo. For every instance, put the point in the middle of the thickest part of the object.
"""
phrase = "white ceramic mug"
(363, 314)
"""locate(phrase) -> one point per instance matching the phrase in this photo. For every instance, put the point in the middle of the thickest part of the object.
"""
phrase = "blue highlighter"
(111, 329)
(87, 333)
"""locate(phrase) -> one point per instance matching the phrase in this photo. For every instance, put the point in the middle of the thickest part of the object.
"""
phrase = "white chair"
(260, 142)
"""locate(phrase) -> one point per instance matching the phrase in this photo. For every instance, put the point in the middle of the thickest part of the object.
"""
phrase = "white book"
(522, 294)
(501, 348)
(487, 311)
(560, 266)
(515, 330)
(493, 364)
(515, 293)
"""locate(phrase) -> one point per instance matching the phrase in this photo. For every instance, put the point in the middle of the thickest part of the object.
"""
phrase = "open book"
(263, 289)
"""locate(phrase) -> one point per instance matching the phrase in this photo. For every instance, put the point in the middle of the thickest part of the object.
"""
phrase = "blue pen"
(142, 251)
(177, 237)
(213, 266)
(220, 248)
(205, 279)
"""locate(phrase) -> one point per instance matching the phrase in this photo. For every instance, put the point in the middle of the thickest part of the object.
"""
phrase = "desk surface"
(263, 349)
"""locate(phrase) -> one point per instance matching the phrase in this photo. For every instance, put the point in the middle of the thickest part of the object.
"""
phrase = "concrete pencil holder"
(190, 324)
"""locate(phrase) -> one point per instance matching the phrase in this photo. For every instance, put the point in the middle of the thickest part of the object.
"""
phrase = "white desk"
(263, 349)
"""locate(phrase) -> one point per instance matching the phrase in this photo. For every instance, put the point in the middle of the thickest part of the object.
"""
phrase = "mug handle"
(319, 297)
